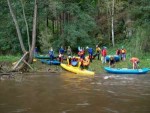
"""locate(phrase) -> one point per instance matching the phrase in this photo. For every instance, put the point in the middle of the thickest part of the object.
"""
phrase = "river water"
(70, 93)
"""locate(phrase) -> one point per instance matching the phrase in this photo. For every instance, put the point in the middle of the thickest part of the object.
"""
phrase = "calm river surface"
(69, 93)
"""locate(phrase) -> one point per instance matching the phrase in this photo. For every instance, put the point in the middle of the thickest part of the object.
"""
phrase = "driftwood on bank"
(28, 64)
(24, 61)
(20, 61)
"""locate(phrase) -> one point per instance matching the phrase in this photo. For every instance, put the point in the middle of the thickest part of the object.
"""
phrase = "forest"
(54, 23)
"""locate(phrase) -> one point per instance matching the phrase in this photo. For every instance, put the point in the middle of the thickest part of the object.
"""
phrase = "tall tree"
(17, 27)
(112, 22)
(30, 58)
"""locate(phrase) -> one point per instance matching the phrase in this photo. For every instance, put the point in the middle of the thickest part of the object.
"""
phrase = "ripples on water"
(71, 93)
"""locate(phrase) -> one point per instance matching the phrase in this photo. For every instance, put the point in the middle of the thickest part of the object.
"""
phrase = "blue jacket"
(61, 50)
(51, 53)
(90, 51)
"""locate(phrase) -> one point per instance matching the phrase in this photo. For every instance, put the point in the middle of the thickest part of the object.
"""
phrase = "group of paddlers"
(85, 61)
(122, 54)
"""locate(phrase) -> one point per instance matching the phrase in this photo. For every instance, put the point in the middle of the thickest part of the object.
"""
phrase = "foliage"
(45, 40)
(77, 23)
(141, 37)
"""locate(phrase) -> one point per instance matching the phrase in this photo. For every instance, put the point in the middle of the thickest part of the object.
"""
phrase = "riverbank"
(8, 61)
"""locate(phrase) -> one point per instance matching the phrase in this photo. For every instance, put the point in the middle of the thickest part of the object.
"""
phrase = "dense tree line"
(75, 23)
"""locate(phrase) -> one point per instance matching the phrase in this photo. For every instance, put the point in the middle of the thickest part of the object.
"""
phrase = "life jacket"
(98, 49)
(80, 53)
(86, 62)
(134, 59)
(68, 51)
(51, 53)
(123, 51)
(118, 52)
(104, 52)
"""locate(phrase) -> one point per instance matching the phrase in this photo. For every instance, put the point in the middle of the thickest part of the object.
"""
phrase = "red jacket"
(104, 52)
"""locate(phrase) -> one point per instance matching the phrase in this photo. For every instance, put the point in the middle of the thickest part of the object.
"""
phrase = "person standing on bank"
(98, 52)
(69, 51)
(61, 54)
(51, 53)
(123, 54)
(135, 61)
(104, 53)
(112, 62)
(90, 52)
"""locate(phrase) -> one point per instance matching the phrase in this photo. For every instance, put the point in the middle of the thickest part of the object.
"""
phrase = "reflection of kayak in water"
(76, 70)
(126, 70)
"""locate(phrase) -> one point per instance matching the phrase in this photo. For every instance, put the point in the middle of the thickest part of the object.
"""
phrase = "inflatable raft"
(126, 70)
(116, 57)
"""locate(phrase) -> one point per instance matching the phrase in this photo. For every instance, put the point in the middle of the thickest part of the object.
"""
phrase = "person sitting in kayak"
(112, 61)
(135, 62)
(69, 60)
(84, 63)
(51, 53)
(74, 61)
(81, 53)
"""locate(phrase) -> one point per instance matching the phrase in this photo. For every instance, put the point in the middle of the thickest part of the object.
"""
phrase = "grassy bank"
(9, 58)
(96, 65)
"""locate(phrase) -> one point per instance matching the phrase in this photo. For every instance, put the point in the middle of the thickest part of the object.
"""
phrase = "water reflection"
(71, 93)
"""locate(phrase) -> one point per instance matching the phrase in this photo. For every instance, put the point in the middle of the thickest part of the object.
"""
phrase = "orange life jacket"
(134, 59)
(86, 62)
(123, 51)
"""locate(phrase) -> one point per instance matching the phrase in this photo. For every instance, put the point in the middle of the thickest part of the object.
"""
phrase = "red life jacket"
(104, 52)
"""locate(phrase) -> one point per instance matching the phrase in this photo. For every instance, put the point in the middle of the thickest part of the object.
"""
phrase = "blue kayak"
(116, 57)
(126, 70)
(50, 62)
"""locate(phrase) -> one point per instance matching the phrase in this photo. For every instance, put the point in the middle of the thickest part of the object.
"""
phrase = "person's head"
(87, 47)
(69, 56)
(111, 57)
(104, 47)
(96, 45)
(51, 48)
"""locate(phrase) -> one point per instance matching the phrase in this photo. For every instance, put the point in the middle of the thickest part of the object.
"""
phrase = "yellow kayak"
(76, 70)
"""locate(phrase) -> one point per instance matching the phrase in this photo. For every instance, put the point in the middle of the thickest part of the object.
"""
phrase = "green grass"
(9, 58)
(96, 65)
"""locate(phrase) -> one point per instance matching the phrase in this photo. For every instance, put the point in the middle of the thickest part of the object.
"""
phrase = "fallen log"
(20, 61)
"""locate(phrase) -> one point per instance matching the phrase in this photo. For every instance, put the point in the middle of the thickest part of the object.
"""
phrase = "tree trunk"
(17, 27)
(112, 23)
(33, 32)
(27, 27)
